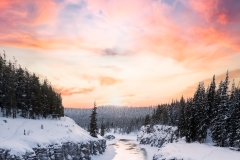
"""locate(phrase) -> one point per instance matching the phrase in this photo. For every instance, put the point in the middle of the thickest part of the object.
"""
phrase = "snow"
(66, 130)
(109, 154)
(54, 132)
(196, 151)
(150, 151)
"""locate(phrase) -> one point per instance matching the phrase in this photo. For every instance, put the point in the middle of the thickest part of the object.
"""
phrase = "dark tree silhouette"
(93, 122)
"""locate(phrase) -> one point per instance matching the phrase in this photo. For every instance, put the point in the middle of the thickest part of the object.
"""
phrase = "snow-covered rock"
(46, 139)
(157, 135)
(109, 137)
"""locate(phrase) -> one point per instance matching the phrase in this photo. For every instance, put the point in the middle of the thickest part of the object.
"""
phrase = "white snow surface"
(196, 151)
(54, 132)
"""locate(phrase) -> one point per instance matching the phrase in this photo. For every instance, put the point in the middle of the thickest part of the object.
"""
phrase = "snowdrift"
(56, 139)
(195, 151)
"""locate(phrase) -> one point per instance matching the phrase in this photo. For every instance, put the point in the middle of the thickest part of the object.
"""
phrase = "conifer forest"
(214, 110)
(23, 93)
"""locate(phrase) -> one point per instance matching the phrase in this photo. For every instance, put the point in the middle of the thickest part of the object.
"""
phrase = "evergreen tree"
(182, 126)
(102, 132)
(211, 99)
(93, 122)
(147, 120)
(233, 137)
(221, 121)
(21, 92)
(190, 120)
(202, 111)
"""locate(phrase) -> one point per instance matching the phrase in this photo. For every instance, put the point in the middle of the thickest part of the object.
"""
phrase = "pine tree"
(35, 97)
(190, 120)
(202, 111)
(236, 138)
(147, 120)
(182, 126)
(44, 98)
(20, 92)
(93, 122)
(211, 99)
(102, 132)
(233, 137)
(221, 122)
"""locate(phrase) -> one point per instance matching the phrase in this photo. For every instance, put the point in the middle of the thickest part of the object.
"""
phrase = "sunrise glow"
(121, 52)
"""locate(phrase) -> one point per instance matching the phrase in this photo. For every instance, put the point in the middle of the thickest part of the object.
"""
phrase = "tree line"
(214, 111)
(119, 119)
(22, 93)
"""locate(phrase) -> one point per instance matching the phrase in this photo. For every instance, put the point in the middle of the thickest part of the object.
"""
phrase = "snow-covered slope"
(21, 135)
(195, 151)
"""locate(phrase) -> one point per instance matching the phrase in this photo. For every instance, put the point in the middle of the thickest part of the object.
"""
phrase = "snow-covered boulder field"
(46, 139)
(157, 135)
(195, 151)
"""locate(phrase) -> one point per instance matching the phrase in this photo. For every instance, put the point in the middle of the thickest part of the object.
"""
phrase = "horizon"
(145, 53)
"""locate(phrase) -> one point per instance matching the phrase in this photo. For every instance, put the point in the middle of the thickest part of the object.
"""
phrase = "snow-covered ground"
(196, 151)
(21, 135)
(125, 147)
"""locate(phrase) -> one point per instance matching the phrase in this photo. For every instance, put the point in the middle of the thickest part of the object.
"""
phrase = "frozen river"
(125, 147)
(128, 150)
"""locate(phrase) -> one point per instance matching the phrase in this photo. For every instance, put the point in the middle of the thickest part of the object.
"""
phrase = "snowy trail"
(15, 133)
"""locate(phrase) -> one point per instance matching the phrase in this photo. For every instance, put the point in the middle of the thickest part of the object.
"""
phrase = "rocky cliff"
(64, 151)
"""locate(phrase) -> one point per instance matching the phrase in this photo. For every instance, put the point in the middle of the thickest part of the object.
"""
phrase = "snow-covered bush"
(109, 137)
(157, 135)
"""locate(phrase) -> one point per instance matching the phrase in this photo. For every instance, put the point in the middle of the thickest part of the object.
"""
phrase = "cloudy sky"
(123, 52)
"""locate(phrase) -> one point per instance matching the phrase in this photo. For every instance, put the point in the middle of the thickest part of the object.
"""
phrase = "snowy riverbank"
(195, 151)
(19, 137)
(172, 148)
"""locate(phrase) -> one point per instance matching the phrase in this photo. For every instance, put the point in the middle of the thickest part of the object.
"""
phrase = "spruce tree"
(20, 92)
(211, 99)
(182, 126)
(102, 132)
(202, 111)
(190, 120)
(233, 137)
(147, 120)
(93, 122)
(221, 122)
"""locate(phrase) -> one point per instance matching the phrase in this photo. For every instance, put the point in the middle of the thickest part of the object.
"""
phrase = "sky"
(123, 52)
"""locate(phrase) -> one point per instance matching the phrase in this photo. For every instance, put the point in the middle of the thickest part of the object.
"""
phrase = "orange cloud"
(72, 91)
(107, 81)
